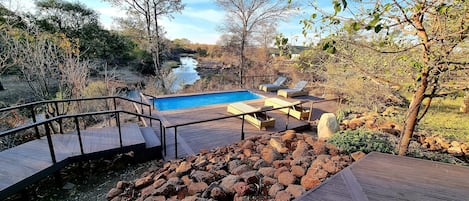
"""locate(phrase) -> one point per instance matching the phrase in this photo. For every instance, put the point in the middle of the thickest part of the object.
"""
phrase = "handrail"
(17, 129)
(226, 117)
(77, 128)
(69, 100)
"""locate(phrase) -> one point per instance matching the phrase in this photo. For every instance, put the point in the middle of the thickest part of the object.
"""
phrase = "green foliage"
(350, 141)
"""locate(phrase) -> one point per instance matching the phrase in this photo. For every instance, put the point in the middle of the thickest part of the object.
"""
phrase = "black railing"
(77, 127)
(175, 126)
(32, 107)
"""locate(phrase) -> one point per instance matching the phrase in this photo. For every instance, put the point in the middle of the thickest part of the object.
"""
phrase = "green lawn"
(445, 119)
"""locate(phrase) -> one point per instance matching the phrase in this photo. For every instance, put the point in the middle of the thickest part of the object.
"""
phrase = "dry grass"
(16, 91)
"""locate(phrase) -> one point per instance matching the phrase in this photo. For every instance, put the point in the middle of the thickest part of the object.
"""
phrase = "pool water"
(191, 101)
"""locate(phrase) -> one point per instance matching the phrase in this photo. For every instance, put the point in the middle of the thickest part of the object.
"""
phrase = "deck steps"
(27, 163)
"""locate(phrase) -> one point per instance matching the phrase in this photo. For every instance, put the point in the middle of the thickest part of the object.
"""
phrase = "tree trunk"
(411, 119)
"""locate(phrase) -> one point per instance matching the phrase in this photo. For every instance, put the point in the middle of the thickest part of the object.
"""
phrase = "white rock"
(327, 126)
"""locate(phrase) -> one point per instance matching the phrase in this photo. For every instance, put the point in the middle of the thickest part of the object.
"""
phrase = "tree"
(437, 29)
(245, 17)
(147, 12)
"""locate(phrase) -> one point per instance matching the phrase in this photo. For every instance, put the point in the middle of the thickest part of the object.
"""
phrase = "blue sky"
(198, 22)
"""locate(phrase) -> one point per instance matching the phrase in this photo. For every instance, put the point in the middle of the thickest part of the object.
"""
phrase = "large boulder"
(327, 126)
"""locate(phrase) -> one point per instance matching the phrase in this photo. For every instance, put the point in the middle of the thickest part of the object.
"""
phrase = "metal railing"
(77, 127)
(242, 115)
(32, 107)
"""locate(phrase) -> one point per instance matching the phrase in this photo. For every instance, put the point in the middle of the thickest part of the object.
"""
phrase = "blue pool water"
(184, 102)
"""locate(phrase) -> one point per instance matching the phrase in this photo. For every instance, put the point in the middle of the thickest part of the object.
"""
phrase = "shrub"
(350, 141)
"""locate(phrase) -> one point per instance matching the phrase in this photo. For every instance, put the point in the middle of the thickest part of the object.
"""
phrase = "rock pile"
(373, 121)
(439, 144)
(279, 166)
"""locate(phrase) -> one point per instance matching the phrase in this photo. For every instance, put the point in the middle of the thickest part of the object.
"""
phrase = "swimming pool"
(191, 101)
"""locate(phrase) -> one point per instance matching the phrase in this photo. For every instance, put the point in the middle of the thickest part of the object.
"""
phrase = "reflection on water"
(185, 74)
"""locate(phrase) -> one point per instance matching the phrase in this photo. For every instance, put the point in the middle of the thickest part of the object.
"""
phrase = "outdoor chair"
(274, 86)
(295, 110)
(297, 90)
(258, 118)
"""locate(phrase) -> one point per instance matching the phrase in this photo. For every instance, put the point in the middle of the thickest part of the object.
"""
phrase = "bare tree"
(245, 17)
(148, 11)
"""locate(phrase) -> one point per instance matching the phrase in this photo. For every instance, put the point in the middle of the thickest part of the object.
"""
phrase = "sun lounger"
(297, 90)
(259, 119)
(295, 110)
(274, 86)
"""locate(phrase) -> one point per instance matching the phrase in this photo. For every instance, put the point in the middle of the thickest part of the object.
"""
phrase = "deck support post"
(119, 128)
(175, 142)
(288, 119)
(310, 111)
(57, 113)
(151, 123)
(242, 129)
(77, 124)
(33, 116)
(49, 141)
(164, 141)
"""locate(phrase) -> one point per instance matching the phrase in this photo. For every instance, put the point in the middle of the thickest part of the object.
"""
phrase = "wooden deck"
(209, 135)
(381, 176)
(31, 161)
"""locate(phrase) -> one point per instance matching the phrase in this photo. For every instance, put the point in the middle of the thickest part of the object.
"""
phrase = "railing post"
(175, 143)
(242, 129)
(288, 119)
(49, 141)
(118, 123)
(57, 113)
(151, 123)
(77, 124)
(164, 141)
(310, 111)
(33, 115)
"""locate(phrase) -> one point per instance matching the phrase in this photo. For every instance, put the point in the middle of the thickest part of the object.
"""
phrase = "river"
(185, 74)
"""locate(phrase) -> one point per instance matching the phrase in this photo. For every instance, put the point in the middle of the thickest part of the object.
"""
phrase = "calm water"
(185, 74)
(184, 102)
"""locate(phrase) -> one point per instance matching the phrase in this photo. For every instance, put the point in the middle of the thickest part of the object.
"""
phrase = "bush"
(350, 141)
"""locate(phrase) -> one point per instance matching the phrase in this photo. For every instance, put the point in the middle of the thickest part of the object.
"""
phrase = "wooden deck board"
(388, 177)
(28, 159)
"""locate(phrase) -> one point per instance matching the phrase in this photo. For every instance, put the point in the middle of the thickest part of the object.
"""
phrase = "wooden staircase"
(27, 163)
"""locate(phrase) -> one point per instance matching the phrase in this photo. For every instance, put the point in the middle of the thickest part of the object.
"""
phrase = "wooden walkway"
(209, 135)
(26, 163)
(381, 176)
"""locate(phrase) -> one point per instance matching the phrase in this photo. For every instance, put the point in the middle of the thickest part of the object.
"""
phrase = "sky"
(199, 21)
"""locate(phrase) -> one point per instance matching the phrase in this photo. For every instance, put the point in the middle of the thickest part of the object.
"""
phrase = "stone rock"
(269, 154)
(298, 171)
(175, 181)
(248, 144)
(456, 151)
(327, 126)
(190, 198)
(301, 149)
(228, 182)
(143, 182)
(122, 184)
(241, 169)
(184, 168)
(247, 152)
(283, 196)
(267, 171)
(233, 164)
(70, 186)
(166, 189)
(309, 181)
(196, 187)
(260, 163)
(217, 193)
(202, 176)
(332, 149)
(281, 163)
(289, 135)
(316, 172)
(357, 155)
(158, 183)
(319, 147)
(269, 181)
(251, 177)
(114, 192)
(155, 198)
(279, 171)
(295, 190)
(277, 144)
(455, 144)
(286, 178)
(186, 180)
(274, 189)
(242, 188)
